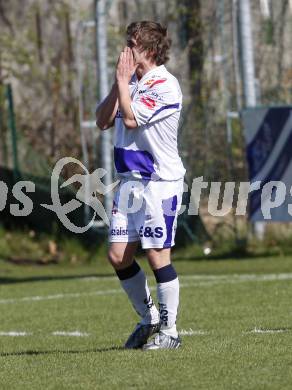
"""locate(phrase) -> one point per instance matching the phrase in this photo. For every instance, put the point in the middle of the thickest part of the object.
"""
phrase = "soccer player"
(144, 105)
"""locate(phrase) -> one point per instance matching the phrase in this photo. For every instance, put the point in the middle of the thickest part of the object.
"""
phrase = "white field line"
(76, 333)
(15, 334)
(191, 332)
(96, 278)
(182, 332)
(59, 296)
(264, 331)
(207, 277)
(197, 281)
(239, 277)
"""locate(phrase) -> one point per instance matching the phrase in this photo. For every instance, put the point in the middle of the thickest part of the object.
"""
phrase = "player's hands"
(125, 66)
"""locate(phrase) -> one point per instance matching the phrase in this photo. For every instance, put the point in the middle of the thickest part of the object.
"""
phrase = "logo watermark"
(91, 187)
(222, 197)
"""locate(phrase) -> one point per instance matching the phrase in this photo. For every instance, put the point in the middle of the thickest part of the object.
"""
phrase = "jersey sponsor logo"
(148, 231)
(119, 232)
(149, 82)
(157, 82)
(153, 82)
(155, 94)
(148, 102)
(150, 94)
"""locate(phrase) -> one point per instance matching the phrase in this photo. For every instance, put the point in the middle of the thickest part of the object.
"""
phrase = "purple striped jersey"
(150, 151)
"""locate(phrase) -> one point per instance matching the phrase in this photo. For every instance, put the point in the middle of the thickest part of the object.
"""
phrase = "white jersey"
(150, 150)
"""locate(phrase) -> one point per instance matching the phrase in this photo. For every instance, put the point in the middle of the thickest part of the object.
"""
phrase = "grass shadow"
(29, 279)
(232, 255)
(39, 353)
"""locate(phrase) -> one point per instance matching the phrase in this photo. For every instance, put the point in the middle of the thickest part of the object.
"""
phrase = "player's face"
(139, 53)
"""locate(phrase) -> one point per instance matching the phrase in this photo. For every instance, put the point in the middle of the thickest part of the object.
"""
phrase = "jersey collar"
(152, 72)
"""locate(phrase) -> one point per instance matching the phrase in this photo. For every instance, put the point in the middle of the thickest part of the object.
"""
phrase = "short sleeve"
(156, 101)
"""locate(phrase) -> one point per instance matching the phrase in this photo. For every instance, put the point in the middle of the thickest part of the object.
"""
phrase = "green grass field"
(70, 323)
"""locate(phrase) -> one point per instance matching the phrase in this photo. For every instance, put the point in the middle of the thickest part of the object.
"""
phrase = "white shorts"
(146, 211)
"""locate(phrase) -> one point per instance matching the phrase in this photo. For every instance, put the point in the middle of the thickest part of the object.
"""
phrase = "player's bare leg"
(133, 281)
(168, 298)
(121, 254)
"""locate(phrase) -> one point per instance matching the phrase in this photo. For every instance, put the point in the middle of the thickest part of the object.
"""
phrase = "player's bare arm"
(125, 70)
(106, 111)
